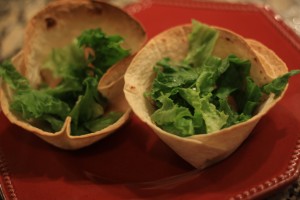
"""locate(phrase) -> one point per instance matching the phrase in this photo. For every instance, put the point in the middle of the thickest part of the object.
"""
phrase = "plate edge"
(275, 19)
(290, 174)
(7, 188)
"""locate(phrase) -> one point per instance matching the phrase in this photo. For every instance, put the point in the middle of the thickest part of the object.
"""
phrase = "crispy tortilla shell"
(204, 149)
(56, 26)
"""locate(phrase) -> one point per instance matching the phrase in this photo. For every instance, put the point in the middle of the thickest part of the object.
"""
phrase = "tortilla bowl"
(56, 26)
(201, 150)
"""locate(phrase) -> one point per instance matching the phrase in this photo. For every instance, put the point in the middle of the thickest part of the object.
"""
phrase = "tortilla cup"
(56, 26)
(200, 150)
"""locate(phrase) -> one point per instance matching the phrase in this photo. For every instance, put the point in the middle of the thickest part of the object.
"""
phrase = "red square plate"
(134, 164)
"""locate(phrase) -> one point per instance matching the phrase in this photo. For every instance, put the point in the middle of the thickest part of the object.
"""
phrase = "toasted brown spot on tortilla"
(132, 88)
(50, 22)
(228, 39)
(97, 8)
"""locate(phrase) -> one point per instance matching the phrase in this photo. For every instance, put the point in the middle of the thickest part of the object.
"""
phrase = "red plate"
(134, 164)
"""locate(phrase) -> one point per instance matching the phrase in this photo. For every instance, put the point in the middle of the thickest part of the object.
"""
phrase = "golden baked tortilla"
(204, 149)
(56, 26)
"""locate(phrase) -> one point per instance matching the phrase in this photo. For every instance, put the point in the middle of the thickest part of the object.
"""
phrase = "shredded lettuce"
(204, 93)
(201, 42)
(277, 85)
(70, 59)
(33, 104)
(89, 105)
(76, 95)
(102, 122)
(107, 49)
(14, 79)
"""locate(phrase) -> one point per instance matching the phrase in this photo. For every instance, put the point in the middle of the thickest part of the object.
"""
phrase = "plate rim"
(291, 173)
(265, 9)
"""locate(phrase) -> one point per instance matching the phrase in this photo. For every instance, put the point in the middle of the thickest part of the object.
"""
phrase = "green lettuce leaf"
(208, 75)
(107, 49)
(35, 104)
(102, 122)
(88, 106)
(54, 122)
(204, 111)
(173, 118)
(170, 77)
(233, 76)
(67, 62)
(278, 84)
(201, 43)
(13, 78)
(233, 116)
(68, 91)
